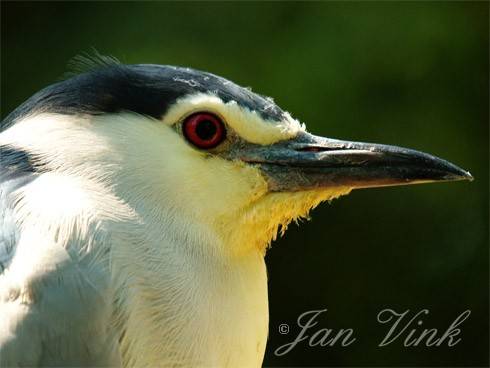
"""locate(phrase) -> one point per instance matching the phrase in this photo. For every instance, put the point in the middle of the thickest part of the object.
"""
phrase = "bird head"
(204, 150)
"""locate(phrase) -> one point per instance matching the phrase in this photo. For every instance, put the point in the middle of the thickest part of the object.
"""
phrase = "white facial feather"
(186, 230)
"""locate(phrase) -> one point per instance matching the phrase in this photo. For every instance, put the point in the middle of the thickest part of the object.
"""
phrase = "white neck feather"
(187, 233)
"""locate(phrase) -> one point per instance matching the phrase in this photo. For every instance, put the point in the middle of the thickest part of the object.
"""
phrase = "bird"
(137, 202)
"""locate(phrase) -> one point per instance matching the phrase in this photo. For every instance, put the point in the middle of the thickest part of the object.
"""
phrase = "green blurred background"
(406, 73)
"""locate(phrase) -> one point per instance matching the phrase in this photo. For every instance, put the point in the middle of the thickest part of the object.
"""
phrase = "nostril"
(310, 149)
(315, 149)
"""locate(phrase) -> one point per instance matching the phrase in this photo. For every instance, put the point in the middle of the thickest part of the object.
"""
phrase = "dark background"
(406, 73)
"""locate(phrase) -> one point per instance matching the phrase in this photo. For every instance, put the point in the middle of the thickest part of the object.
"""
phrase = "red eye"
(204, 130)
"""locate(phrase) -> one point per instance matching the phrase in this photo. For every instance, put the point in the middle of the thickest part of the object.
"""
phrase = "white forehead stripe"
(247, 124)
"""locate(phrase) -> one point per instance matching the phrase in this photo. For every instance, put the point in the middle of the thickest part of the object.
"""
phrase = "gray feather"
(16, 170)
(66, 322)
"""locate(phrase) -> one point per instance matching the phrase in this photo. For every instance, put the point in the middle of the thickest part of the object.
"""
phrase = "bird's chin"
(269, 216)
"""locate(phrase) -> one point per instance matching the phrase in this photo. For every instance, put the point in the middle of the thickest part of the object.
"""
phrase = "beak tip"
(467, 176)
(461, 174)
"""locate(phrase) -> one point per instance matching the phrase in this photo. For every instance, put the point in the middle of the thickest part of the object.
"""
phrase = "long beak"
(309, 161)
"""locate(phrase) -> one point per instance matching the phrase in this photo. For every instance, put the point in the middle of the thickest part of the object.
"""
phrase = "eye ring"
(204, 130)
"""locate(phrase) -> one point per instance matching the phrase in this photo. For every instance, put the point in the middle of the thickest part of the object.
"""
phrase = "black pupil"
(206, 130)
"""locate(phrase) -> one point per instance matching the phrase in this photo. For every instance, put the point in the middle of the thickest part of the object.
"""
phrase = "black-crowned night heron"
(136, 205)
